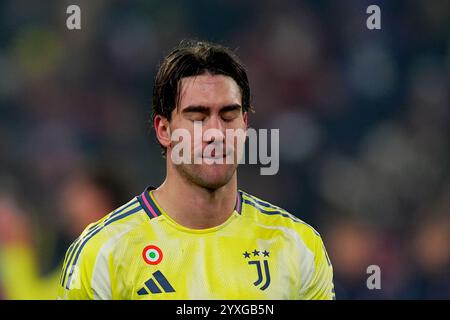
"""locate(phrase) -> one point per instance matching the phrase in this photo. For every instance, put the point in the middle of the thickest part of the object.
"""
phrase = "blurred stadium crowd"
(364, 123)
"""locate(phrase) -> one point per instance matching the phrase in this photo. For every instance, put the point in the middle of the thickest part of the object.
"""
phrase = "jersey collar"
(153, 211)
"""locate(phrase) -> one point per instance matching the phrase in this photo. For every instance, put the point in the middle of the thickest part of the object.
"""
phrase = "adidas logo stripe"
(153, 287)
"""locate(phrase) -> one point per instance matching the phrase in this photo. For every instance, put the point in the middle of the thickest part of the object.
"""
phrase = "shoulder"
(101, 236)
(316, 269)
(269, 215)
(114, 223)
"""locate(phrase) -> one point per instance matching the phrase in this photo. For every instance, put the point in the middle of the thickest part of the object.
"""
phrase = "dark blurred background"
(364, 123)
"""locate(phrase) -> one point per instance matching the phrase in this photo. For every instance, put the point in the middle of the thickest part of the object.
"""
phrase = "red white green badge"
(152, 254)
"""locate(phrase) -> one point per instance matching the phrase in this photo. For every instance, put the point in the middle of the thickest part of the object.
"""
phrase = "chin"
(210, 177)
(215, 181)
(213, 176)
(212, 185)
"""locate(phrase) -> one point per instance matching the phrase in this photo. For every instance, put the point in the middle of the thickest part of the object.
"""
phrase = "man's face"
(213, 102)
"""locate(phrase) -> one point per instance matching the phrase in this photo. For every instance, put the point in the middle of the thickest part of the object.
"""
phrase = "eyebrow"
(205, 109)
(231, 107)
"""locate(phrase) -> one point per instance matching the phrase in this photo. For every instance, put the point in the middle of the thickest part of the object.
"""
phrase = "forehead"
(209, 90)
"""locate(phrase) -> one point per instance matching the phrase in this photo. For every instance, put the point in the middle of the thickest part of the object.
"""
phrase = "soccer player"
(197, 236)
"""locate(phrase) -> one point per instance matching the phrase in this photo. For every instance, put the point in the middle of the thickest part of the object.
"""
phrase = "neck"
(193, 206)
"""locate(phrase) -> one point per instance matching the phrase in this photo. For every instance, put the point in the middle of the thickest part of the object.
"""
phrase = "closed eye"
(231, 112)
(200, 113)
(196, 113)
(230, 115)
(195, 116)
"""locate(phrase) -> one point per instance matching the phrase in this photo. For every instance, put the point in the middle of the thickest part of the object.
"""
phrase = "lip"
(216, 157)
(223, 155)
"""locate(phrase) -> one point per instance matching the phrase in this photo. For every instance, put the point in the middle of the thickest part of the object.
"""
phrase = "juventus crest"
(262, 267)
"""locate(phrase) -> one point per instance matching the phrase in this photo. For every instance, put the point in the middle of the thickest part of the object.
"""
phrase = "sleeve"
(85, 273)
(321, 286)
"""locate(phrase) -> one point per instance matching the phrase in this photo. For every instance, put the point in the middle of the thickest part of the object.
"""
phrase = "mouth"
(212, 157)
(218, 155)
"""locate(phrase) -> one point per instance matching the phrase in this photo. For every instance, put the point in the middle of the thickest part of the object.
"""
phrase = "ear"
(162, 130)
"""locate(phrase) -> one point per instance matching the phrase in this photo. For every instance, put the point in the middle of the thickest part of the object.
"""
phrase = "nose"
(214, 129)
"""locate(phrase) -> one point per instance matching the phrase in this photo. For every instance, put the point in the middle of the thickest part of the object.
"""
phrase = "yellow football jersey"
(139, 252)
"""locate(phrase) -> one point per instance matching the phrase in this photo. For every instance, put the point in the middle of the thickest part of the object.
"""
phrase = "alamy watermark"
(374, 20)
(213, 146)
(73, 21)
(374, 280)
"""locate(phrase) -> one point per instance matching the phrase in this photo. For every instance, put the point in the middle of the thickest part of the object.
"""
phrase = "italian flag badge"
(152, 254)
